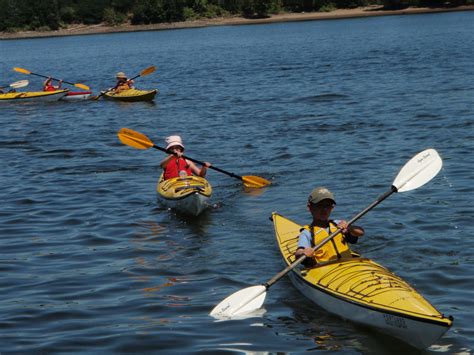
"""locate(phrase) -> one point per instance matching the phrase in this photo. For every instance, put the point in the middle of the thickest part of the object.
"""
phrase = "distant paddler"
(182, 184)
(49, 86)
(124, 89)
(123, 83)
(175, 165)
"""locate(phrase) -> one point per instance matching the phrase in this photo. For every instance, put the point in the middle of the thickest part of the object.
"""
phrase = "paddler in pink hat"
(174, 165)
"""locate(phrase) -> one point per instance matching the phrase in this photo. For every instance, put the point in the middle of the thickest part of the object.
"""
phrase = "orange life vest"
(123, 86)
(174, 166)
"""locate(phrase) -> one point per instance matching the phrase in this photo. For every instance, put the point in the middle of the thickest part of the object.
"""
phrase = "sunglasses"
(324, 205)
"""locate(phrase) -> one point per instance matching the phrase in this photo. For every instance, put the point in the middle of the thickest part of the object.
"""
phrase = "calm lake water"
(91, 261)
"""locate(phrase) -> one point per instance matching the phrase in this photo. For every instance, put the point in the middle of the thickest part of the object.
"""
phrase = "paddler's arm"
(166, 160)
(351, 233)
(356, 231)
(304, 245)
(309, 252)
(204, 169)
(199, 172)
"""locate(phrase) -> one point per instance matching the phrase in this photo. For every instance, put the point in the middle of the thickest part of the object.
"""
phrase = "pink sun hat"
(172, 141)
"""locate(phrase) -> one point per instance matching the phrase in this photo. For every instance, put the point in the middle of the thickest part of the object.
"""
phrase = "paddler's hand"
(352, 230)
(177, 152)
(309, 252)
(206, 164)
(343, 226)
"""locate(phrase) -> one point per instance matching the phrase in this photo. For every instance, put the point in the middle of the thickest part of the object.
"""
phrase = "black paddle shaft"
(202, 163)
(331, 236)
(49, 77)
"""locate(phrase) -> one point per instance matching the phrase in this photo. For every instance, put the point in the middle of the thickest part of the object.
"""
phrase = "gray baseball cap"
(319, 194)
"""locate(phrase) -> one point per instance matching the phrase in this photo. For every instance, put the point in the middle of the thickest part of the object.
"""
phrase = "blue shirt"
(305, 239)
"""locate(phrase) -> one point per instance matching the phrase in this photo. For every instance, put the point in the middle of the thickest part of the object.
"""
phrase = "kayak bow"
(188, 195)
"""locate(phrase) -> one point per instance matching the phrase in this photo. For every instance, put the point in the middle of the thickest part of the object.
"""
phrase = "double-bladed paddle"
(25, 71)
(17, 84)
(415, 173)
(144, 72)
(140, 141)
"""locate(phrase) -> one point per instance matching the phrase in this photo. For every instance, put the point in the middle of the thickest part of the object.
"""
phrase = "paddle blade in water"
(21, 70)
(82, 86)
(418, 171)
(241, 302)
(134, 139)
(255, 181)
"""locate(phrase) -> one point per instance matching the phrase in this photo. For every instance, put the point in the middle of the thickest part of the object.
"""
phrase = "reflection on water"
(449, 350)
(254, 192)
(154, 229)
(170, 282)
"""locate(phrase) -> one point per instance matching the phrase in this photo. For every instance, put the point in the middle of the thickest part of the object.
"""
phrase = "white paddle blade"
(418, 171)
(241, 302)
(19, 84)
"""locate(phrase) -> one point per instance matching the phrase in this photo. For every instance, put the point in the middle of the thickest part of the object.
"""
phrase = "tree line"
(44, 15)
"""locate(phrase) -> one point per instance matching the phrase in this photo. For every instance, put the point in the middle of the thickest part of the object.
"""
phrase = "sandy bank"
(229, 21)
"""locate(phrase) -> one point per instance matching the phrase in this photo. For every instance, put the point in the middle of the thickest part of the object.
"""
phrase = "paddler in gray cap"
(321, 202)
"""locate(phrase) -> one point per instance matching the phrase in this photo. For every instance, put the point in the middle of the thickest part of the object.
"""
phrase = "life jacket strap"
(311, 229)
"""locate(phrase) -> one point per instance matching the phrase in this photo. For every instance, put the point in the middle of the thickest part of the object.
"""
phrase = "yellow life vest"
(336, 248)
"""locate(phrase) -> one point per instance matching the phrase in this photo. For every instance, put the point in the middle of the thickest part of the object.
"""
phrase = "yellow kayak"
(188, 195)
(34, 95)
(363, 291)
(132, 95)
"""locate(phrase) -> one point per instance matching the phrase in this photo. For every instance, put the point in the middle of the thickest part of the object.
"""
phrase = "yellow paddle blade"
(82, 86)
(148, 70)
(134, 139)
(255, 181)
(21, 70)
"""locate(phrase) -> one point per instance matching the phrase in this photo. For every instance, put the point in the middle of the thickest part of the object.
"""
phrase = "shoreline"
(369, 11)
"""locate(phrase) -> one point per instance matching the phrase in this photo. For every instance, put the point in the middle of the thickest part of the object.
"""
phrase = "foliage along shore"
(104, 27)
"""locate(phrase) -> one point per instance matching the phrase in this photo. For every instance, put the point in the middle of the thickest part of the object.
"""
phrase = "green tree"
(91, 11)
(112, 17)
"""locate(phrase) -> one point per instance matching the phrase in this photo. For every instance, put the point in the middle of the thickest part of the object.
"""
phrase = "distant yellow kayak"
(132, 95)
(188, 195)
(364, 292)
(34, 95)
